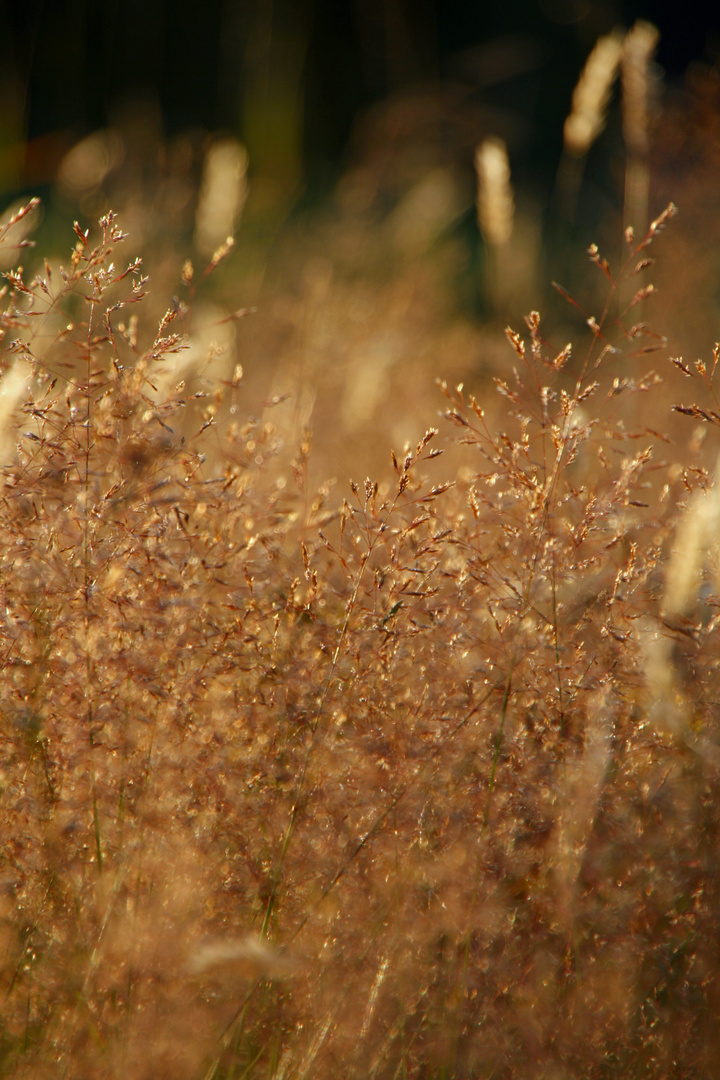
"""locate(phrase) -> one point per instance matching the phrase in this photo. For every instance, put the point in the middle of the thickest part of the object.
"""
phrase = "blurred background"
(336, 141)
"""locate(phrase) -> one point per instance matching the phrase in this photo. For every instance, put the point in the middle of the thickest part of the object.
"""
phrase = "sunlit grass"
(415, 779)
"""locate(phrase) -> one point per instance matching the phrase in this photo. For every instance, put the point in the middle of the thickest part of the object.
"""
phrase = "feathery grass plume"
(495, 209)
(695, 553)
(592, 94)
(17, 375)
(19, 221)
(495, 202)
(587, 117)
(638, 49)
(695, 548)
(696, 545)
(223, 193)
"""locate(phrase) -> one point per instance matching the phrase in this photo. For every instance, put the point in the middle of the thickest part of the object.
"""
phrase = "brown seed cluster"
(384, 786)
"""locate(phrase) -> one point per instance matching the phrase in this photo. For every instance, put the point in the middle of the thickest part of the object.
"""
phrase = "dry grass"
(411, 777)
(420, 783)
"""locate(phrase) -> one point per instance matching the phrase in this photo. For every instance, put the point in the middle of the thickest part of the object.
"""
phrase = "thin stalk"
(499, 737)
(306, 760)
(96, 815)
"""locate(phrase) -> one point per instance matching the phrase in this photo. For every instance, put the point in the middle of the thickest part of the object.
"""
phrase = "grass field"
(408, 776)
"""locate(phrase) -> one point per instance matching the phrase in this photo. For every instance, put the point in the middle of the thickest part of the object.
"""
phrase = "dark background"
(346, 107)
(282, 72)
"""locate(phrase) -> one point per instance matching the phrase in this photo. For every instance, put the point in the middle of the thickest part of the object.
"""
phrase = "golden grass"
(371, 787)
(411, 777)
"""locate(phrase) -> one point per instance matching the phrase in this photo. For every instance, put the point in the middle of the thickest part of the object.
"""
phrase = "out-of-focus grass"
(410, 776)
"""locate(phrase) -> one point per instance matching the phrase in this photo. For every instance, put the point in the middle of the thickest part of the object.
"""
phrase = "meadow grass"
(410, 776)
(417, 782)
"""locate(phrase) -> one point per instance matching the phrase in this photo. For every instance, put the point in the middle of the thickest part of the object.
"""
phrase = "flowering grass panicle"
(367, 787)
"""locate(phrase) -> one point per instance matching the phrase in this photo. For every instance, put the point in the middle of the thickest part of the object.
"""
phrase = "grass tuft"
(422, 781)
